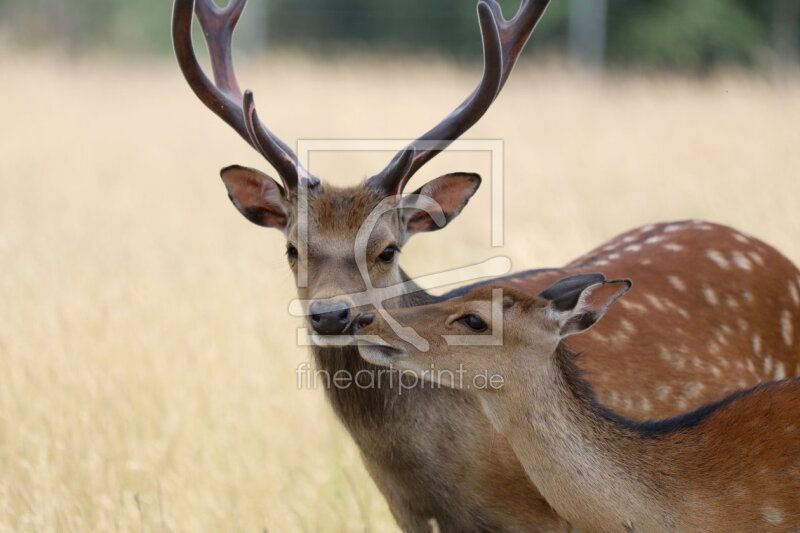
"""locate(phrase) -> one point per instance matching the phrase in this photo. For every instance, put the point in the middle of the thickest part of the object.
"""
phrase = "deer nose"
(363, 320)
(329, 319)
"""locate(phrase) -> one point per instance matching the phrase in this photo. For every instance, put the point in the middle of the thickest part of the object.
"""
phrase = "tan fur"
(735, 469)
(433, 453)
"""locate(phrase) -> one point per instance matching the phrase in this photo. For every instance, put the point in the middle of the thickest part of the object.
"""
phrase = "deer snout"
(329, 318)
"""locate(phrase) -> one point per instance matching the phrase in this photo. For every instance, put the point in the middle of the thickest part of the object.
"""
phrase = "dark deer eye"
(291, 252)
(473, 322)
(388, 254)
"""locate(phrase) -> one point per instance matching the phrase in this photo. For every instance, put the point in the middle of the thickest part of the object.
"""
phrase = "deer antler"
(503, 40)
(224, 97)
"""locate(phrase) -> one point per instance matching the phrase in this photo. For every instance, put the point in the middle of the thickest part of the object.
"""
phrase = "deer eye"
(291, 252)
(473, 322)
(388, 254)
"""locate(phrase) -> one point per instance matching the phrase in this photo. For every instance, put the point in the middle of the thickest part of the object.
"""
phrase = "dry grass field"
(147, 358)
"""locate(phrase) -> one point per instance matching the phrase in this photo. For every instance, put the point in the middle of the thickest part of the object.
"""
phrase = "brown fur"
(731, 466)
(432, 452)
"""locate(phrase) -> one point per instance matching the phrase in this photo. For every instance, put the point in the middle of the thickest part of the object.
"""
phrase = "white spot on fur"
(741, 261)
(673, 227)
(713, 347)
(794, 294)
(757, 344)
(677, 282)
(749, 297)
(633, 248)
(662, 392)
(772, 515)
(742, 324)
(715, 370)
(645, 262)
(627, 326)
(613, 256)
(751, 367)
(768, 365)
(786, 327)
(633, 306)
(601, 262)
(647, 228)
(718, 258)
(655, 302)
(739, 237)
(755, 256)
(609, 247)
(704, 227)
(780, 370)
(730, 301)
(644, 404)
(629, 238)
(672, 247)
(710, 295)
(654, 239)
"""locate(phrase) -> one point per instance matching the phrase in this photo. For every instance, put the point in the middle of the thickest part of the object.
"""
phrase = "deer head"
(526, 329)
(326, 248)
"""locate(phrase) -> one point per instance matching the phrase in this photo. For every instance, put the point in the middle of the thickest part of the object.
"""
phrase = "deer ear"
(439, 201)
(257, 196)
(579, 301)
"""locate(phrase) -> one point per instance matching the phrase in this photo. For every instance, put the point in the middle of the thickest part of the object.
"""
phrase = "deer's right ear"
(578, 302)
(257, 196)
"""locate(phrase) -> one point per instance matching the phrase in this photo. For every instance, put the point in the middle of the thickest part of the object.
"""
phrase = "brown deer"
(432, 453)
(733, 465)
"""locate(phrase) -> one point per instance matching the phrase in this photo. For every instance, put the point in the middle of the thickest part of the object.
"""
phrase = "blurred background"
(682, 34)
(147, 357)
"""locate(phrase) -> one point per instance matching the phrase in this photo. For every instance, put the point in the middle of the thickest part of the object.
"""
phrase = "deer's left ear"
(579, 301)
(439, 201)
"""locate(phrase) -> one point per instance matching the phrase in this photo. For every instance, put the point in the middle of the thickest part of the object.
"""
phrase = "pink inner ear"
(257, 196)
(451, 192)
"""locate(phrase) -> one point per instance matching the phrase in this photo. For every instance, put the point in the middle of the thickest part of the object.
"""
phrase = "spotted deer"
(433, 454)
(732, 465)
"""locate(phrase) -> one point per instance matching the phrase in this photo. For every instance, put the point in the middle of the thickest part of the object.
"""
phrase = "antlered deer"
(733, 465)
(432, 453)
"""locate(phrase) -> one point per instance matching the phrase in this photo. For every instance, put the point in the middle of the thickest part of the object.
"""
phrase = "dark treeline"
(684, 34)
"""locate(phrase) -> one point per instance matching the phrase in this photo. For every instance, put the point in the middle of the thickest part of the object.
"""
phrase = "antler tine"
(224, 97)
(503, 40)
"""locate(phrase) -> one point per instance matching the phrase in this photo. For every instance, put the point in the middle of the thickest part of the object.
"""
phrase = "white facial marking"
(677, 282)
(772, 515)
(672, 247)
(741, 261)
(710, 295)
(718, 258)
(786, 327)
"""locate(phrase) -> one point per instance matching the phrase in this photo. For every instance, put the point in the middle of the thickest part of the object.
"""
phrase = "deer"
(477, 484)
(731, 465)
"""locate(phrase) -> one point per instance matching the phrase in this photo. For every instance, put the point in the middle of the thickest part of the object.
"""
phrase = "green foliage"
(686, 34)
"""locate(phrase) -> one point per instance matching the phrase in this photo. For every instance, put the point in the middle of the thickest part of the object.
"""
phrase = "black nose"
(363, 320)
(329, 319)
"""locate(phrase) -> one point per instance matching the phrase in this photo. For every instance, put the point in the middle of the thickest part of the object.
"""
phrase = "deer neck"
(378, 398)
(591, 468)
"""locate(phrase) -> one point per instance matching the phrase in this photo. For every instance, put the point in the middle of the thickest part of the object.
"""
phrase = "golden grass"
(146, 355)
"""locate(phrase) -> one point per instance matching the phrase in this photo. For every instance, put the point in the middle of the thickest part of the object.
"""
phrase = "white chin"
(331, 340)
(380, 355)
